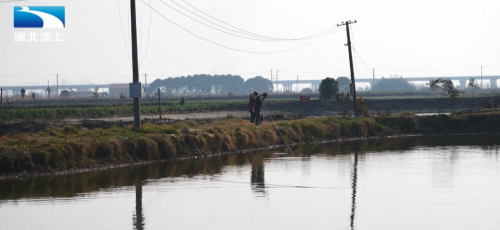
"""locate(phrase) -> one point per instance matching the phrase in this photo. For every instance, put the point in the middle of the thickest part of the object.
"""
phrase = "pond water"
(438, 182)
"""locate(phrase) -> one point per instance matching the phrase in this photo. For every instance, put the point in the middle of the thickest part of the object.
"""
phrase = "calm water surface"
(446, 182)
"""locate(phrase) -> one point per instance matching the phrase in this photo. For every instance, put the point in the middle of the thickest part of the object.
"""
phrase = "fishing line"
(278, 129)
(278, 185)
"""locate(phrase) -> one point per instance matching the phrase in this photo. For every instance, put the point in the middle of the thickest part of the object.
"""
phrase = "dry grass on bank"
(73, 148)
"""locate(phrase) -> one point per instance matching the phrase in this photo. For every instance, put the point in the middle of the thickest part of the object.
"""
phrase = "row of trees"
(208, 84)
(447, 89)
(392, 83)
(23, 94)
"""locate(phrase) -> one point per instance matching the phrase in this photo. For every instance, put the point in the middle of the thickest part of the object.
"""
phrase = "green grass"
(119, 110)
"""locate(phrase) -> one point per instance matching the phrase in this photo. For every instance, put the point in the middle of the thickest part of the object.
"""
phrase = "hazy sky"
(409, 38)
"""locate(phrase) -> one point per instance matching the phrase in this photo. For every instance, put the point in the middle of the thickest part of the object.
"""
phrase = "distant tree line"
(393, 83)
(211, 84)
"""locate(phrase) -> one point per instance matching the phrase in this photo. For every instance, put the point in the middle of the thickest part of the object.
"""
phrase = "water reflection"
(305, 163)
(138, 217)
(257, 180)
(443, 169)
(67, 186)
(353, 187)
(185, 184)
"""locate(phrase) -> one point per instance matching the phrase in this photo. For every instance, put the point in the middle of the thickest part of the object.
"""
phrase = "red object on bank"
(305, 98)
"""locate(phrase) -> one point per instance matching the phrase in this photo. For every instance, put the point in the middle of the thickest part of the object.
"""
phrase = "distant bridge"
(53, 87)
(286, 84)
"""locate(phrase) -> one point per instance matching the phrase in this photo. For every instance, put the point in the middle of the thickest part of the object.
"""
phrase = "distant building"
(115, 90)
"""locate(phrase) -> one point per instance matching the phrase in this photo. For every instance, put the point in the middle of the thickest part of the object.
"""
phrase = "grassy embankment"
(71, 148)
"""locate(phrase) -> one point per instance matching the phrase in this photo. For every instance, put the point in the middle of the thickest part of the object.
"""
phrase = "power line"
(123, 30)
(232, 34)
(257, 39)
(355, 62)
(140, 25)
(149, 35)
(237, 29)
(356, 52)
(246, 32)
(224, 46)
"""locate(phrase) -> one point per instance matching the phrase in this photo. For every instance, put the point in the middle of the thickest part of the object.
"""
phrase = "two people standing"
(255, 105)
(251, 104)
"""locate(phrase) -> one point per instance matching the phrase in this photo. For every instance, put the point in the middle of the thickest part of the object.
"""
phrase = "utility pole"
(57, 88)
(297, 83)
(159, 101)
(346, 24)
(481, 76)
(272, 77)
(373, 84)
(277, 81)
(146, 81)
(135, 66)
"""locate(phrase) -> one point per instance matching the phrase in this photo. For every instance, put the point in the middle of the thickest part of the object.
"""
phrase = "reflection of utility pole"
(138, 217)
(135, 64)
(346, 24)
(354, 185)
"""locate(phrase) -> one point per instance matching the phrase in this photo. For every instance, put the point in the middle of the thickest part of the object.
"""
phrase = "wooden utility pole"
(346, 24)
(135, 66)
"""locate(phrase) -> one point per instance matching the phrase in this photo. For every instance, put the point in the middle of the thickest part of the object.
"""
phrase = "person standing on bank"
(259, 102)
(251, 105)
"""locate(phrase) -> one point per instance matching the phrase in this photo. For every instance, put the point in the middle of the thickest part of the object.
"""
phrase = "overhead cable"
(243, 35)
(246, 33)
(227, 47)
(123, 31)
(149, 35)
